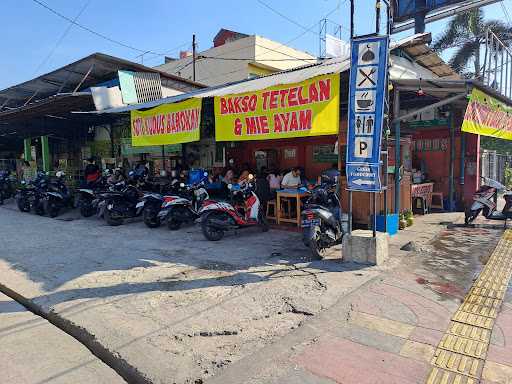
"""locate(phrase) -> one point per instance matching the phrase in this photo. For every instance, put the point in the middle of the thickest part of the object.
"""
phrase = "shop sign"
(487, 116)
(368, 81)
(326, 154)
(428, 123)
(308, 108)
(167, 124)
(128, 150)
(434, 145)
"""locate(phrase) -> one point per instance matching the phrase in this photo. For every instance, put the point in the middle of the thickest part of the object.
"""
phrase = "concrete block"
(361, 247)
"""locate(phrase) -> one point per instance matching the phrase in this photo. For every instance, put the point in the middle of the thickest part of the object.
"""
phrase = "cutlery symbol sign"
(367, 77)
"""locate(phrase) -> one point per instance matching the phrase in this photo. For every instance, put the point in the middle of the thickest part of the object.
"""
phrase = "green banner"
(487, 116)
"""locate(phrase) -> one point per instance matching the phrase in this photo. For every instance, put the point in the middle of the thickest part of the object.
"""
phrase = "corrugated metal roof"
(399, 69)
(285, 77)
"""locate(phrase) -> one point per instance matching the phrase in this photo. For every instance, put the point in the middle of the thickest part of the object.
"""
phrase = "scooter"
(88, 196)
(57, 196)
(154, 203)
(484, 202)
(322, 225)
(245, 212)
(31, 195)
(6, 186)
(178, 210)
(118, 206)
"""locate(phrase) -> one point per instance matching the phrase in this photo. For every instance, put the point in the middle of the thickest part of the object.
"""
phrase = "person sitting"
(292, 179)
(274, 181)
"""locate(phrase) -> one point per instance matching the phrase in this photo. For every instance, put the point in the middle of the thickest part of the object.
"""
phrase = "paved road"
(34, 351)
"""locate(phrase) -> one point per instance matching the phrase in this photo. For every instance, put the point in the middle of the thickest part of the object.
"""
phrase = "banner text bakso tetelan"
(308, 108)
(167, 124)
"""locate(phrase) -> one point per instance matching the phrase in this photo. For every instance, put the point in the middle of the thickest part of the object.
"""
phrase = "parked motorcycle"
(178, 210)
(87, 196)
(245, 212)
(31, 195)
(322, 225)
(57, 195)
(6, 186)
(484, 202)
(120, 205)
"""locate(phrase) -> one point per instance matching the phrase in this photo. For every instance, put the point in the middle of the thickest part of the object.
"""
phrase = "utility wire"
(61, 38)
(285, 17)
(46, 6)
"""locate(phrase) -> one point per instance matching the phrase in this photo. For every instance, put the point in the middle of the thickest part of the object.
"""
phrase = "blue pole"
(396, 112)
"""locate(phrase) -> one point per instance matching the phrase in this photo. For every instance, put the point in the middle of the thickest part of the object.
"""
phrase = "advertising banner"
(487, 116)
(167, 124)
(368, 82)
(406, 9)
(308, 108)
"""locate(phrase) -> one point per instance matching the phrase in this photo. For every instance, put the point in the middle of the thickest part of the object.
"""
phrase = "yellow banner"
(487, 116)
(308, 108)
(167, 124)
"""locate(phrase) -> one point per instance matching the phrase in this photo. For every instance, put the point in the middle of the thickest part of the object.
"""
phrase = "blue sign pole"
(368, 82)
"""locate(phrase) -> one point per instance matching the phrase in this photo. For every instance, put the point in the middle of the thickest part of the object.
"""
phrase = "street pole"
(377, 16)
(350, 192)
(396, 112)
(194, 57)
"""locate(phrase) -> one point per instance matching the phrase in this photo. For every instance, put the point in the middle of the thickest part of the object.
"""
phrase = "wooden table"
(297, 195)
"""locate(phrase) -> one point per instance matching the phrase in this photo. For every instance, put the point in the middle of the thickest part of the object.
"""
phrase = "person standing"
(92, 171)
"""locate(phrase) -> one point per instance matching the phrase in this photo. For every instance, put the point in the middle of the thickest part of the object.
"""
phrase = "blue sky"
(30, 32)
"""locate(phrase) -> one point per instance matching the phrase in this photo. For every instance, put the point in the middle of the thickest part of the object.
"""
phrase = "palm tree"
(466, 33)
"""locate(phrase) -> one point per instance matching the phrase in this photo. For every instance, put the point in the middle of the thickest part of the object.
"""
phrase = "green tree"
(466, 34)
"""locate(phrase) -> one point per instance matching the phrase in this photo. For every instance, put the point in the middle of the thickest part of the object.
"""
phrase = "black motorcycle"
(118, 206)
(88, 196)
(322, 225)
(31, 195)
(7, 189)
(57, 196)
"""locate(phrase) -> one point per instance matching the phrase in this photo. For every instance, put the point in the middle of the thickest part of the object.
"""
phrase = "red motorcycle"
(245, 211)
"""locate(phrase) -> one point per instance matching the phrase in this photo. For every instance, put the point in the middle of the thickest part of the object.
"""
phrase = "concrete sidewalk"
(34, 351)
(389, 330)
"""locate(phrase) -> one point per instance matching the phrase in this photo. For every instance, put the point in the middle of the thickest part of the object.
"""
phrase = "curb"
(128, 372)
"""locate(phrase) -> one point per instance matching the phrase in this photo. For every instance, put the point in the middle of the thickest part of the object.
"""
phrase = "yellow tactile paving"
(460, 355)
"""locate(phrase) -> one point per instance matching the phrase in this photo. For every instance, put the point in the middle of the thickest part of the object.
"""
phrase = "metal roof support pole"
(431, 106)
(501, 70)
(396, 121)
(495, 48)
(451, 186)
(485, 55)
(84, 78)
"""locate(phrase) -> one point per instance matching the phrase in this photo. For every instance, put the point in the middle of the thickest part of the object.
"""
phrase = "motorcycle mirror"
(251, 176)
(230, 186)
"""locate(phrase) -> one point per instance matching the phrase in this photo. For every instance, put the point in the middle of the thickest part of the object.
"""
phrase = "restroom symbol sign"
(363, 147)
(365, 124)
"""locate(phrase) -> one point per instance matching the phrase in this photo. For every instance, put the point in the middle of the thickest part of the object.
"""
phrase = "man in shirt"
(291, 179)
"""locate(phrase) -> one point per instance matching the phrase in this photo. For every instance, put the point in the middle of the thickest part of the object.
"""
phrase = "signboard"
(308, 108)
(368, 81)
(128, 150)
(406, 9)
(167, 124)
(487, 116)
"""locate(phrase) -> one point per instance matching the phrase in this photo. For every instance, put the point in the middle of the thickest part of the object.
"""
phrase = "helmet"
(60, 174)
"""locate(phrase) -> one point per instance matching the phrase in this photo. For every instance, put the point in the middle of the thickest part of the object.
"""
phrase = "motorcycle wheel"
(173, 224)
(86, 210)
(317, 251)
(151, 219)
(112, 221)
(23, 205)
(210, 232)
(39, 209)
(53, 210)
(263, 222)
(470, 216)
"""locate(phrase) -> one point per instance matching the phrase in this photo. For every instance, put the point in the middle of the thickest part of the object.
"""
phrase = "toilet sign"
(368, 81)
